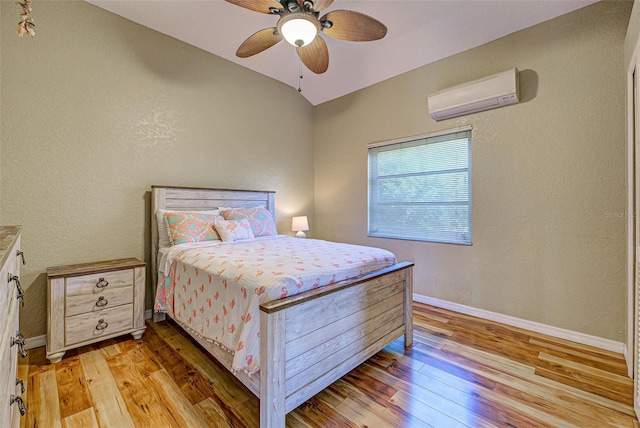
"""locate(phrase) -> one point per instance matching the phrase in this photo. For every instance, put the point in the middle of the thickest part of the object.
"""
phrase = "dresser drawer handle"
(21, 254)
(102, 302)
(102, 324)
(19, 340)
(21, 406)
(20, 295)
(102, 283)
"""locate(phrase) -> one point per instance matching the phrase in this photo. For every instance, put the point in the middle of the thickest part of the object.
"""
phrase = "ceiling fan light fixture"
(299, 29)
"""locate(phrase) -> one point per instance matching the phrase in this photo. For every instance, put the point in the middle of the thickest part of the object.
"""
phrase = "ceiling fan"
(300, 25)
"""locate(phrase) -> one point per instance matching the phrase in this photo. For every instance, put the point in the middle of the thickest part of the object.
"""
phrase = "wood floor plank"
(144, 401)
(579, 381)
(431, 391)
(247, 415)
(47, 398)
(578, 416)
(213, 413)
(232, 393)
(71, 385)
(316, 413)
(610, 380)
(108, 403)
(474, 397)
(489, 359)
(176, 402)
(193, 385)
(603, 362)
(365, 391)
(363, 416)
(294, 421)
(83, 419)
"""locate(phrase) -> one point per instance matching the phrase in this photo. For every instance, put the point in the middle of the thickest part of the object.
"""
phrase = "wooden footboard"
(310, 340)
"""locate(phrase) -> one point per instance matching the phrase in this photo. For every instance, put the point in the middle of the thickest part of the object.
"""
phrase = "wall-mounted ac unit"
(483, 94)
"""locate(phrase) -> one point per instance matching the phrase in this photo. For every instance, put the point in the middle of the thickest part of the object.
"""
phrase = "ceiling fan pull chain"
(299, 74)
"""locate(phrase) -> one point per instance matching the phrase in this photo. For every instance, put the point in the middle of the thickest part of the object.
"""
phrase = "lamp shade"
(299, 29)
(299, 223)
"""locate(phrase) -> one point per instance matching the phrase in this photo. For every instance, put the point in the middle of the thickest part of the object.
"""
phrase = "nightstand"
(90, 302)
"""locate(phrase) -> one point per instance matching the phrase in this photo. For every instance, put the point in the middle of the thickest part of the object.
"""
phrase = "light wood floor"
(461, 372)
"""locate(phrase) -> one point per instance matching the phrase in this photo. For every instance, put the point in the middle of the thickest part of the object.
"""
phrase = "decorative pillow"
(261, 220)
(234, 230)
(163, 233)
(191, 227)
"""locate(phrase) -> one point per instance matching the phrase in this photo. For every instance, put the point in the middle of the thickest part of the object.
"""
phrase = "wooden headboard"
(199, 199)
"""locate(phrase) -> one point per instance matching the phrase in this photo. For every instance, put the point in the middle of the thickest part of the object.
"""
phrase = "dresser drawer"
(97, 283)
(98, 301)
(7, 293)
(95, 325)
(9, 304)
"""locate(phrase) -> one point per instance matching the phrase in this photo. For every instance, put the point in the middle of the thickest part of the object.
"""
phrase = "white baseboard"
(35, 342)
(560, 333)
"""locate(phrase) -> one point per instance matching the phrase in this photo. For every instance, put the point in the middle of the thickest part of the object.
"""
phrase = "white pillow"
(234, 230)
(163, 233)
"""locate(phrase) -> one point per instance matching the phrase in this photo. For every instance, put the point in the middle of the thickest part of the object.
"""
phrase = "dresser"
(11, 341)
(90, 302)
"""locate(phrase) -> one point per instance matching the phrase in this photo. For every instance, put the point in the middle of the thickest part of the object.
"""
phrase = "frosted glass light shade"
(299, 224)
(299, 29)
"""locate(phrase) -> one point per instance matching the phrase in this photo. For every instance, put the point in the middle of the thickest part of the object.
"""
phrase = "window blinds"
(420, 189)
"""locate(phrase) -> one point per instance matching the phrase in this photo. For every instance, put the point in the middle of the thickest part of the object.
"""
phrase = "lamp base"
(301, 234)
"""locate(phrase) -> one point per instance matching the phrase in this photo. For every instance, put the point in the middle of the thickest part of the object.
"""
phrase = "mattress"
(215, 288)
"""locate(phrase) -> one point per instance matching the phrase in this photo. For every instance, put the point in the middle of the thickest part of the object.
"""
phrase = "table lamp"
(300, 224)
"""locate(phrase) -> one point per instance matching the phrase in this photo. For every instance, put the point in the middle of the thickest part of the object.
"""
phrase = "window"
(420, 188)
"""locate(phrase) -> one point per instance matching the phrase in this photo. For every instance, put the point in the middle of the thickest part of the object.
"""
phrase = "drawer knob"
(102, 324)
(102, 302)
(21, 406)
(102, 283)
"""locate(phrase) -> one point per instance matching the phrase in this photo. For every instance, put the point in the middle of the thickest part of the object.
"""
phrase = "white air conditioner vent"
(483, 94)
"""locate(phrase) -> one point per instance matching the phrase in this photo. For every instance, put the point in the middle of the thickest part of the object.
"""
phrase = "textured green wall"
(96, 109)
(548, 180)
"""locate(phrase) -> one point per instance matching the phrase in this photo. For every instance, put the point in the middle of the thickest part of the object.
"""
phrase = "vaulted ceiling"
(419, 32)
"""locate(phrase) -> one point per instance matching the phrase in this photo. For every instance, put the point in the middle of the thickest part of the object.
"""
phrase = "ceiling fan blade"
(315, 55)
(353, 26)
(262, 6)
(258, 42)
(319, 5)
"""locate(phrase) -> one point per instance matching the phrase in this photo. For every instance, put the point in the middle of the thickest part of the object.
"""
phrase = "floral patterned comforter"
(216, 288)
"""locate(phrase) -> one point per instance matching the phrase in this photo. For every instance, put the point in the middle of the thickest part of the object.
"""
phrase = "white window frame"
(377, 230)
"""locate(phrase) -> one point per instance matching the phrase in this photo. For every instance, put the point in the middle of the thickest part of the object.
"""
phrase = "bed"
(306, 340)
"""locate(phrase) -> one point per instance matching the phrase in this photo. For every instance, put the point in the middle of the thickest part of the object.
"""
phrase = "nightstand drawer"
(84, 303)
(95, 325)
(99, 282)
